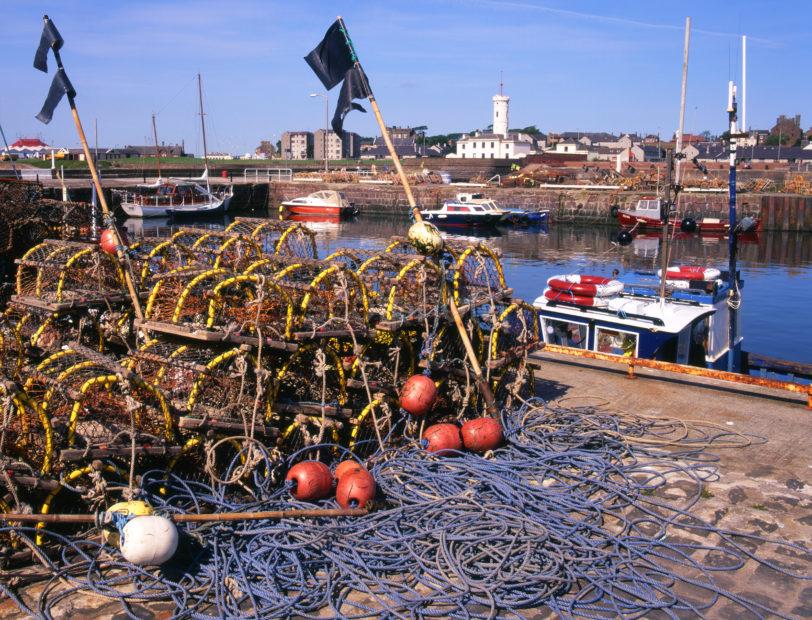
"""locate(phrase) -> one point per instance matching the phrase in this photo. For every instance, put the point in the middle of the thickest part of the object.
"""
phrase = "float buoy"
(418, 395)
(442, 439)
(426, 238)
(355, 489)
(688, 225)
(313, 480)
(108, 242)
(149, 540)
(347, 467)
(587, 286)
(578, 300)
(482, 434)
(624, 238)
(133, 508)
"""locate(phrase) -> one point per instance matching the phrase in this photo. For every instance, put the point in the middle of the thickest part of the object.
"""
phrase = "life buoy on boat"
(587, 286)
(566, 297)
(690, 272)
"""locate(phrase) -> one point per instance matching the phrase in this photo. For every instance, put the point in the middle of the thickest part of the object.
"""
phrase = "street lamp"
(326, 134)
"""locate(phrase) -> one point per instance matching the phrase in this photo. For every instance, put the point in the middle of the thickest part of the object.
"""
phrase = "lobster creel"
(586, 286)
(690, 272)
(566, 297)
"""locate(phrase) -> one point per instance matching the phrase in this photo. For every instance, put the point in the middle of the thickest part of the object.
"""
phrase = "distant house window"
(507, 146)
(483, 155)
(497, 114)
(491, 144)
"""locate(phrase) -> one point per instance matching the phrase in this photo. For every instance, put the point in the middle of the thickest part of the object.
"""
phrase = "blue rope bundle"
(569, 515)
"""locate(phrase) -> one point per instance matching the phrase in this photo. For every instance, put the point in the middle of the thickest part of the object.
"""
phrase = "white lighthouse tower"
(501, 103)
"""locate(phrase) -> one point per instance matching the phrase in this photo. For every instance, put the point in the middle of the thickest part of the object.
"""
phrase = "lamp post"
(326, 130)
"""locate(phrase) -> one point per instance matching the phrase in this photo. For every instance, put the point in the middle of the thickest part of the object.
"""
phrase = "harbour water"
(776, 267)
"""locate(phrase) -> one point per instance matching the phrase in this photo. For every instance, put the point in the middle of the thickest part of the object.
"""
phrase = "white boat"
(465, 210)
(325, 203)
(174, 198)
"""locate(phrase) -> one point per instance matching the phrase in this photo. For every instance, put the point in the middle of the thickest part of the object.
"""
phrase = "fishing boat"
(647, 214)
(328, 203)
(688, 326)
(173, 198)
(465, 210)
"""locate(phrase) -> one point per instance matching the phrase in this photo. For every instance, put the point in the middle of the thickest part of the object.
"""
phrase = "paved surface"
(764, 489)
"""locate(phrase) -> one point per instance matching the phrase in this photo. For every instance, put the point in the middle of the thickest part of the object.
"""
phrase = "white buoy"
(149, 540)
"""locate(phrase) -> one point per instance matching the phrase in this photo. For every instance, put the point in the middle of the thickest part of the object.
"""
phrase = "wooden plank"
(313, 409)
(188, 423)
(71, 455)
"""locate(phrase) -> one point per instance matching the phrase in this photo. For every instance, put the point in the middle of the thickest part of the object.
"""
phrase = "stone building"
(297, 145)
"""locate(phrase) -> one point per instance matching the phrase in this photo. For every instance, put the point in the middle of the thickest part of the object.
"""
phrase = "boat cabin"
(689, 327)
(649, 208)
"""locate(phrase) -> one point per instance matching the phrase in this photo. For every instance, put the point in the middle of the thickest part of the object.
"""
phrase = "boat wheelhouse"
(689, 326)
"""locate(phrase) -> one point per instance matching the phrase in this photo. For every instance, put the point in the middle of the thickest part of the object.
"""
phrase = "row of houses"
(35, 148)
(321, 144)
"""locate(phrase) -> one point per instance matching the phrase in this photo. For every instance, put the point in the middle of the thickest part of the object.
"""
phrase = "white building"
(500, 144)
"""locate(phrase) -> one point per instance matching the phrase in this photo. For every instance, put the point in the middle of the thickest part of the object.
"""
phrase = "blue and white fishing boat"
(465, 210)
(690, 325)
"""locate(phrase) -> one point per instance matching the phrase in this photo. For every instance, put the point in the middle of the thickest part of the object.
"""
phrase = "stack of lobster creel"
(582, 290)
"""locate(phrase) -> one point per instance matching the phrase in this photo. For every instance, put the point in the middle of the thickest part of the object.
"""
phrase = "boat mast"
(8, 152)
(733, 300)
(203, 126)
(157, 150)
(665, 211)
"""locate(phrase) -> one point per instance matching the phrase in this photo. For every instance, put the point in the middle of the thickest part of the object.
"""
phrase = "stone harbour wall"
(785, 212)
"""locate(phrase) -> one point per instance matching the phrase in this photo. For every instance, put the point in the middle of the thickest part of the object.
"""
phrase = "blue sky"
(577, 66)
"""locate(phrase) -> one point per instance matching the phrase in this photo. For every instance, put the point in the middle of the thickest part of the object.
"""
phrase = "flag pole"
(102, 200)
(482, 383)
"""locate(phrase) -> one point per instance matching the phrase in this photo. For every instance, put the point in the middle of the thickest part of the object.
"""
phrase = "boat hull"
(331, 211)
(703, 226)
(461, 219)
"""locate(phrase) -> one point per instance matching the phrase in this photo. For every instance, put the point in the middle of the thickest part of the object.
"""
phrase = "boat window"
(565, 333)
(478, 208)
(615, 342)
(459, 209)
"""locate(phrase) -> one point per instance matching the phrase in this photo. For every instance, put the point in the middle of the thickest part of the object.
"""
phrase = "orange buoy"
(108, 241)
(347, 467)
(482, 434)
(355, 489)
(442, 439)
(312, 479)
(418, 395)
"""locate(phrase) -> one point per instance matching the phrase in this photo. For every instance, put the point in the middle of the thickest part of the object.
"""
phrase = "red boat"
(648, 214)
(325, 203)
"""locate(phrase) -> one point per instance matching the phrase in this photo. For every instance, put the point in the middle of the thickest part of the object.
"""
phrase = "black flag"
(332, 58)
(50, 39)
(354, 87)
(60, 86)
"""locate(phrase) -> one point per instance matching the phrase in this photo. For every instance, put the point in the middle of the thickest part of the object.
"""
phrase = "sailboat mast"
(157, 150)
(203, 123)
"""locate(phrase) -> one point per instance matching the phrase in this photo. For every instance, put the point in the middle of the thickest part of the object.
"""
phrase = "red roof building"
(29, 144)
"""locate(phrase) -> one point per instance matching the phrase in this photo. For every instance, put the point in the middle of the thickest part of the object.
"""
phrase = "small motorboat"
(647, 214)
(525, 217)
(324, 203)
(465, 210)
(173, 198)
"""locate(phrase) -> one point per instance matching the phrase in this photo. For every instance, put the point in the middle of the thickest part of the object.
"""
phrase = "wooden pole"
(199, 518)
(466, 341)
(102, 200)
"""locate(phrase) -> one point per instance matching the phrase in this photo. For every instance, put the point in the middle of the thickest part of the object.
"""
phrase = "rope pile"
(569, 515)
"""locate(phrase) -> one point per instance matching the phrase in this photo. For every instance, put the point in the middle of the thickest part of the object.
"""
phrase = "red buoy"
(355, 489)
(418, 395)
(482, 434)
(347, 467)
(442, 439)
(108, 241)
(313, 480)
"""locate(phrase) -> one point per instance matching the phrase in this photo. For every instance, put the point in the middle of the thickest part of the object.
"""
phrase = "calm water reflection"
(776, 268)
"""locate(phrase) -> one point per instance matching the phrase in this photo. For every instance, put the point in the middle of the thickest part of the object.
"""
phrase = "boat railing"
(267, 174)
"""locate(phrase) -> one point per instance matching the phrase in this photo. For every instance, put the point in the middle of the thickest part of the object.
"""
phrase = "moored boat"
(465, 210)
(689, 326)
(327, 203)
(173, 198)
(647, 214)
